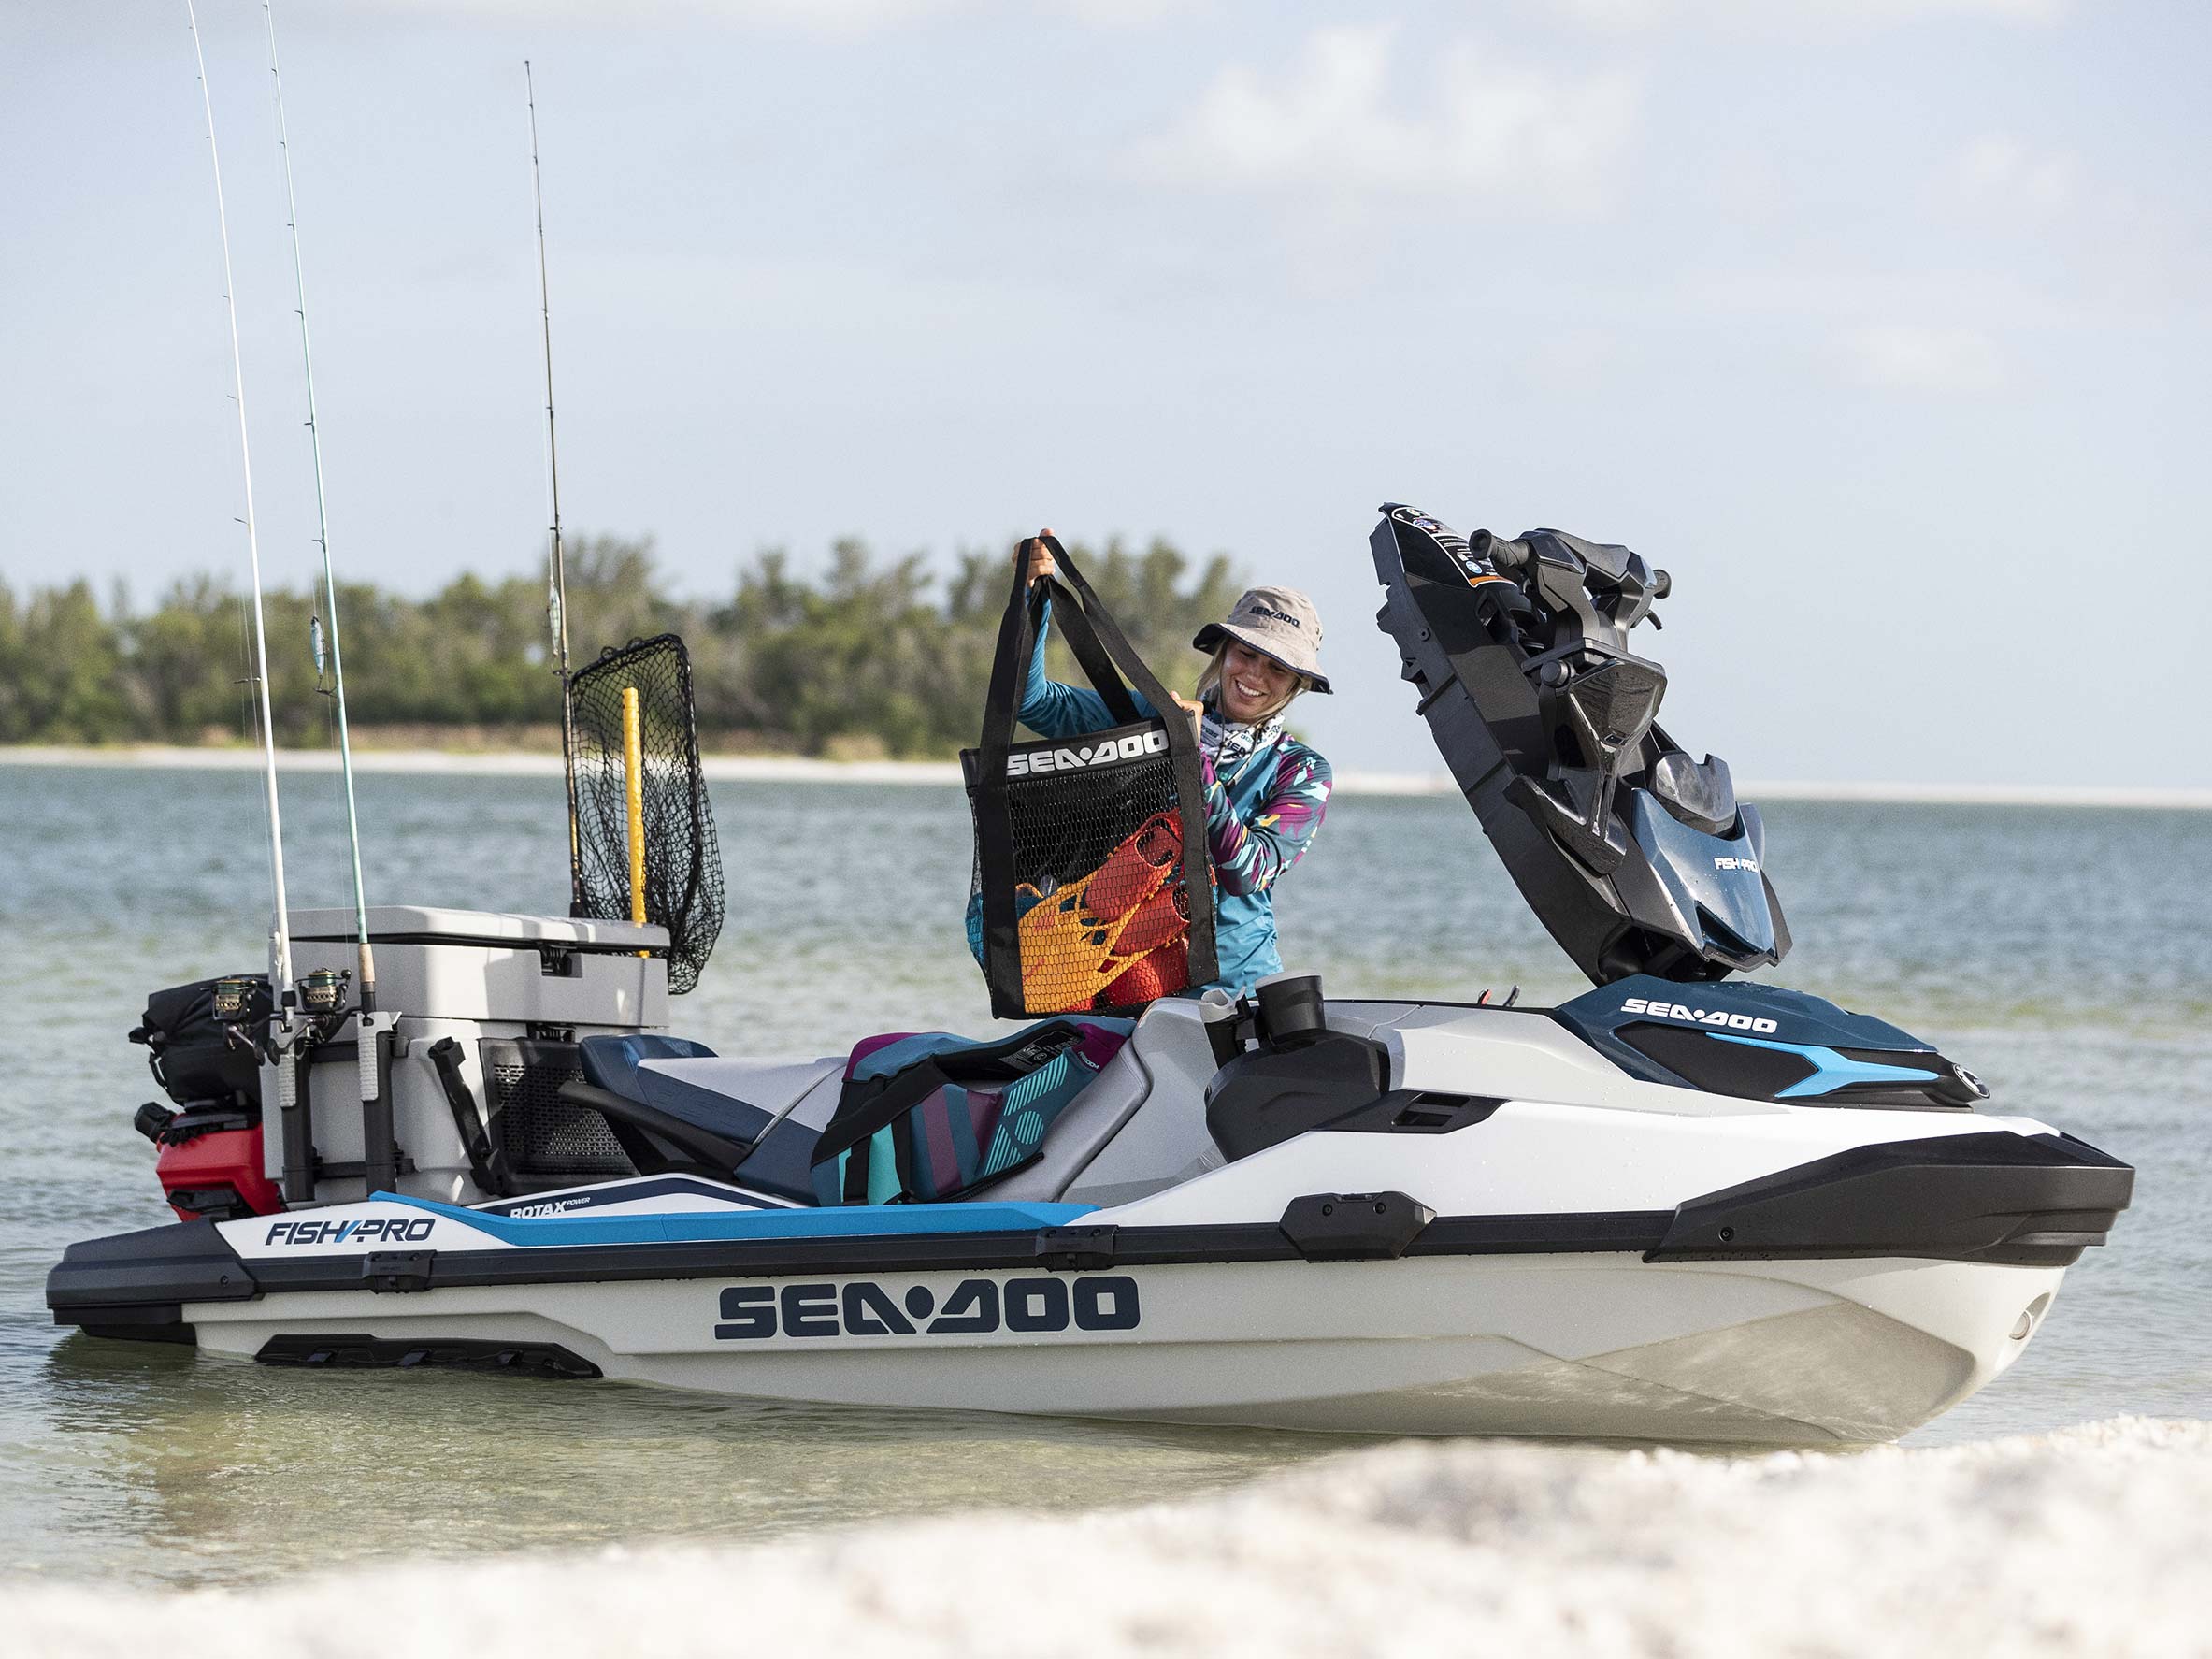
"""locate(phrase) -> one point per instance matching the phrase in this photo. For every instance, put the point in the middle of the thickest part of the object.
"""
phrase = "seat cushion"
(686, 1080)
(779, 1164)
(611, 1062)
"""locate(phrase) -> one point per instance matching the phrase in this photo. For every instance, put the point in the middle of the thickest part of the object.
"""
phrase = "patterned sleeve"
(1250, 856)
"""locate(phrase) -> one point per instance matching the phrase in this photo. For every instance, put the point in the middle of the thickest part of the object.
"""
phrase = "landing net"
(682, 858)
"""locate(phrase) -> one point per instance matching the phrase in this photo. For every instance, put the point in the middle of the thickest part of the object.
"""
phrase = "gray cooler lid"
(423, 924)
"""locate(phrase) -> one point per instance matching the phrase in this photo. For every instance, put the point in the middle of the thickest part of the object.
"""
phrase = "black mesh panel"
(1097, 869)
(543, 1134)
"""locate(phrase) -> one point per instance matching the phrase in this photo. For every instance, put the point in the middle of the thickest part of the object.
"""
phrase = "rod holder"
(296, 1129)
(379, 1146)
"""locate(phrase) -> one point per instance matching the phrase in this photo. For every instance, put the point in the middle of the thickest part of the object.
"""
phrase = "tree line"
(869, 656)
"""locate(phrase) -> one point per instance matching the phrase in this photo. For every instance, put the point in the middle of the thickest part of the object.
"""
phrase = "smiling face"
(1253, 687)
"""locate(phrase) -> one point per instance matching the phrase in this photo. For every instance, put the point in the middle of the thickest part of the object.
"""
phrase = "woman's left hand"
(1197, 711)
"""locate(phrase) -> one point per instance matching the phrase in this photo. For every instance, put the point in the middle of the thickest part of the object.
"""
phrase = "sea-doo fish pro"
(1676, 1207)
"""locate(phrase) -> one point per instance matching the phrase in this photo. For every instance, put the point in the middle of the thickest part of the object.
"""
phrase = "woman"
(1265, 790)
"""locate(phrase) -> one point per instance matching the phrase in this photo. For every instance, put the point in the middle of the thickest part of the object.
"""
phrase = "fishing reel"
(241, 1003)
(323, 1001)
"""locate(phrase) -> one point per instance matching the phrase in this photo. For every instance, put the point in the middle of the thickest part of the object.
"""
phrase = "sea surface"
(2065, 954)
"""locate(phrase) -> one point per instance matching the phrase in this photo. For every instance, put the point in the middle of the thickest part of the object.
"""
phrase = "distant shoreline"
(766, 769)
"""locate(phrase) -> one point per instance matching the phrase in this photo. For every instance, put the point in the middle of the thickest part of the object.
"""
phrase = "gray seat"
(676, 1104)
(1139, 1126)
(738, 1099)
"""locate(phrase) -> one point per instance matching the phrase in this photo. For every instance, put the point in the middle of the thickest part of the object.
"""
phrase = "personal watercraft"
(1679, 1206)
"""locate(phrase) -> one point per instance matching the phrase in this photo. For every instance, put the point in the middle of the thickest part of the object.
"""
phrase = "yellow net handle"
(633, 780)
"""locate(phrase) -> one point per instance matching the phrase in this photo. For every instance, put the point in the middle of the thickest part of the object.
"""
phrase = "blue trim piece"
(1831, 1071)
(846, 1222)
(1598, 1017)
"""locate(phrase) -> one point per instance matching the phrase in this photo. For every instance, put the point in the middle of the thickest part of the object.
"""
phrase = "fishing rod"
(368, 981)
(279, 917)
(557, 570)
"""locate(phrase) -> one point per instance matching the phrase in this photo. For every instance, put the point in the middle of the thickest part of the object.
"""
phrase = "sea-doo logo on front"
(862, 1307)
(390, 1229)
(1719, 1018)
(1275, 615)
(1134, 747)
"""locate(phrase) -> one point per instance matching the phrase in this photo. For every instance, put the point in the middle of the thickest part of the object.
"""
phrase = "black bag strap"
(994, 823)
(1018, 630)
(1092, 618)
(1077, 628)
(1184, 762)
(865, 1106)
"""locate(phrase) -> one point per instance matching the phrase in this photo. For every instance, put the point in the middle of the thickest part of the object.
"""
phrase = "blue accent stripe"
(1831, 1071)
(846, 1222)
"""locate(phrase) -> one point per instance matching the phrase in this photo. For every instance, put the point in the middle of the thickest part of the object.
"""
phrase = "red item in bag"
(1161, 919)
(1135, 868)
(1162, 974)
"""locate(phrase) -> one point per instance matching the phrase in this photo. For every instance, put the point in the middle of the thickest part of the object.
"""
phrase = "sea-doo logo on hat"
(1133, 747)
(1272, 615)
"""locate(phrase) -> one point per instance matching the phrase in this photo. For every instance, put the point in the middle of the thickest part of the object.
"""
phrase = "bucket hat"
(1279, 622)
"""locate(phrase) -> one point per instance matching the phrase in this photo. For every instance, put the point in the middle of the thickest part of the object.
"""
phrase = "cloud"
(824, 17)
(819, 17)
(1112, 14)
(2002, 172)
(1334, 122)
(1909, 357)
(1802, 17)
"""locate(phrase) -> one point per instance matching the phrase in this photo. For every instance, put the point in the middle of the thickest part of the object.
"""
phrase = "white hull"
(1596, 1344)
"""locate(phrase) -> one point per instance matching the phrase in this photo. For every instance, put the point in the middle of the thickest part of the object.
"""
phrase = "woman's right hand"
(1037, 560)
(1195, 711)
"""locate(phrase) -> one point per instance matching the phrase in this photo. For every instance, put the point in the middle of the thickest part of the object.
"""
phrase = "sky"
(1882, 324)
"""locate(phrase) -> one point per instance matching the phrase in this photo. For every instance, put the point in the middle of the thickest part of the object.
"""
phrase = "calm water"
(2066, 955)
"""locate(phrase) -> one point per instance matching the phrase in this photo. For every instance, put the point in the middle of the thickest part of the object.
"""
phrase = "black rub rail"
(1997, 1198)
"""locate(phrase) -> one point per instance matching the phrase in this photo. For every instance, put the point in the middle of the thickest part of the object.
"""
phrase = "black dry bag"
(1090, 851)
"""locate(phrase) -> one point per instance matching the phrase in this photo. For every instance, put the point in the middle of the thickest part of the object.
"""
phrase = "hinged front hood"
(1636, 857)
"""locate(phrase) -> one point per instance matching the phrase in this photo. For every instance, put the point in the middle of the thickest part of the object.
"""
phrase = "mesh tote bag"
(1090, 851)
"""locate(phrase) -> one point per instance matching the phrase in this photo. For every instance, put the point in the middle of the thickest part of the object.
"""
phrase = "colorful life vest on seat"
(929, 1117)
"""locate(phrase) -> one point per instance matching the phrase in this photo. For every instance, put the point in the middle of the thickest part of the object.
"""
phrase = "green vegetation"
(872, 658)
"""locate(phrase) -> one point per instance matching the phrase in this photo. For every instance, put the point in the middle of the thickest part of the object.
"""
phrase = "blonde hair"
(1209, 679)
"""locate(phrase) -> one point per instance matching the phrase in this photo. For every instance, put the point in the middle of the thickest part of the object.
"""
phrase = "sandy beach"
(2087, 1540)
(773, 769)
